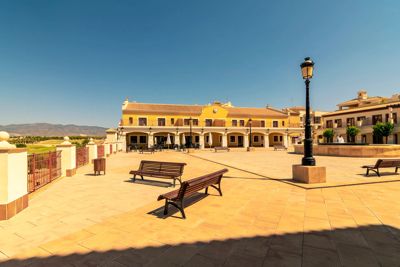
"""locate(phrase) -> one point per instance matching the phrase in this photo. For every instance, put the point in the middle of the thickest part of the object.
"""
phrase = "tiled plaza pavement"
(106, 221)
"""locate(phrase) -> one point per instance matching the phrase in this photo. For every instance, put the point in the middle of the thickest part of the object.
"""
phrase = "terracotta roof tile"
(162, 109)
(196, 110)
(255, 112)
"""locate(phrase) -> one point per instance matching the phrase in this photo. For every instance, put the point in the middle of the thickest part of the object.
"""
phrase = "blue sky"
(76, 61)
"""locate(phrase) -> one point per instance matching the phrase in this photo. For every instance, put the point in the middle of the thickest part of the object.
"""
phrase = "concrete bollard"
(13, 178)
(92, 150)
(68, 157)
(106, 149)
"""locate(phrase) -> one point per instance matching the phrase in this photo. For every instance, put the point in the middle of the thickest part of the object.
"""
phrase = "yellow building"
(216, 124)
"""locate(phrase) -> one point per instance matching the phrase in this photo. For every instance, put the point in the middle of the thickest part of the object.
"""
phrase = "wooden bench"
(383, 163)
(159, 169)
(276, 148)
(191, 187)
(220, 148)
(150, 150)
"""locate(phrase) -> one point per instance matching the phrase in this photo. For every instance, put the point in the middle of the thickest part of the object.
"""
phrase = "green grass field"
(36, 149)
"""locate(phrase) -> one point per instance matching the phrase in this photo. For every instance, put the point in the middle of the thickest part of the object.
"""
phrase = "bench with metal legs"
(191, 187)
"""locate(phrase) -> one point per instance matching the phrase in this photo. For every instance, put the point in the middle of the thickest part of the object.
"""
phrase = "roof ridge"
(165, 104)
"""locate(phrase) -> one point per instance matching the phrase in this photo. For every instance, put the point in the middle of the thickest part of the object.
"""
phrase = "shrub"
(352, 131)
(329, 134)
(383, 130)
(20, 145)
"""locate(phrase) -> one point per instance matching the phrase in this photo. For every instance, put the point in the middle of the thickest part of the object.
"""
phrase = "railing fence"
(42, 169)
(82, 156)
(100, 151)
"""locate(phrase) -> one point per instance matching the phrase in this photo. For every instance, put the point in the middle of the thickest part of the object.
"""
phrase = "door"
(240, 141)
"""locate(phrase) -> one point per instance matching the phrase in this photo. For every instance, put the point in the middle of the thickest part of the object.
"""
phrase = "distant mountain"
(47, 129)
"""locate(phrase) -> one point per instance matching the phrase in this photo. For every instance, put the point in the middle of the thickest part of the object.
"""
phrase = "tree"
(328, 134)
(381, 130)
(352, 132)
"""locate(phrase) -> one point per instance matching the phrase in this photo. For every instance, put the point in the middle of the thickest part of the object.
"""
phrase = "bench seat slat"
(160, 169)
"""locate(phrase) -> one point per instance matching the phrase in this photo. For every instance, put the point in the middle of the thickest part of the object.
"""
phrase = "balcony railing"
(359, 124)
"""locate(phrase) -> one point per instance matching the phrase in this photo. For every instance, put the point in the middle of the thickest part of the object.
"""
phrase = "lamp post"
(190, 132)
(250, 139)
(307, 72)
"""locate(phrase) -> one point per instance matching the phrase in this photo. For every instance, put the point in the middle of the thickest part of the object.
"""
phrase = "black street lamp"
(190, 130)
(307, 72)
(250, 141)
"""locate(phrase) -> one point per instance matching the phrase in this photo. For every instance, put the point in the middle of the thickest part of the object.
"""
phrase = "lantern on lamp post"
(307, 68)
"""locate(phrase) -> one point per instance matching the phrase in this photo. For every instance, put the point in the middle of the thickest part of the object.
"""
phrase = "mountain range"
(48, 129)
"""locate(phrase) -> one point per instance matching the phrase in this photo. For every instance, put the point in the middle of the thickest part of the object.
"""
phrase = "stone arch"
(137, 139)
(195, 137)
(235, 139)
(161, 137)
(216, 139)
(276, 138)
(257, 138)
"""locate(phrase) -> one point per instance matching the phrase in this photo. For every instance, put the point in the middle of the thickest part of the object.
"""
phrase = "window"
(241, 123)
(376, 119)
(195, 122)
(350, 122)
(362, 118)
(283, 123)
(186, 122)
(208, 122)
(234, 123)
(143, 139)
(232, 139)
(329, 124)
(130, 120)
(172, 121)
(317, 120)
(394, 118)
(256, 138)
(262, 123)
(339, 122)
(197, 139)
(142, 121)
(275, 138)
(281, 138)
(275, 124)
(133, 139)
(161, 121)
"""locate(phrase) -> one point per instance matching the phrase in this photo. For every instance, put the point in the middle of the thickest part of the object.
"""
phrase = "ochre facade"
(216, 124)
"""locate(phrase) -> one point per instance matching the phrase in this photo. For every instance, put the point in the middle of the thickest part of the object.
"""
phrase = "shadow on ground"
(172, 211)
(150, 182)
(374, 245)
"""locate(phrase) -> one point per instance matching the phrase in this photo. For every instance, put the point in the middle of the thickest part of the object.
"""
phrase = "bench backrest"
(386, 163)
(167, 168)
(194, 185)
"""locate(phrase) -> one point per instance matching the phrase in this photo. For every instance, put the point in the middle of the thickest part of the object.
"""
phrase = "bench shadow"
(174, 212)
(374, 175)
(92, 174)
(151, 183)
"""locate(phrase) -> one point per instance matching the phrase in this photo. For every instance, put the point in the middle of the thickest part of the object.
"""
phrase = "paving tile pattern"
(107, 221)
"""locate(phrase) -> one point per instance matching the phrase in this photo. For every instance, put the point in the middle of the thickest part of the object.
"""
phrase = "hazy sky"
(76, 61)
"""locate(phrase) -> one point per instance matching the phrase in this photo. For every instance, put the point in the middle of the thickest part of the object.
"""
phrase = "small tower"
(362, 95)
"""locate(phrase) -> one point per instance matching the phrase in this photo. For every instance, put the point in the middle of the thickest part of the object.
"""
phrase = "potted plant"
(352, 132)
(329, 134)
